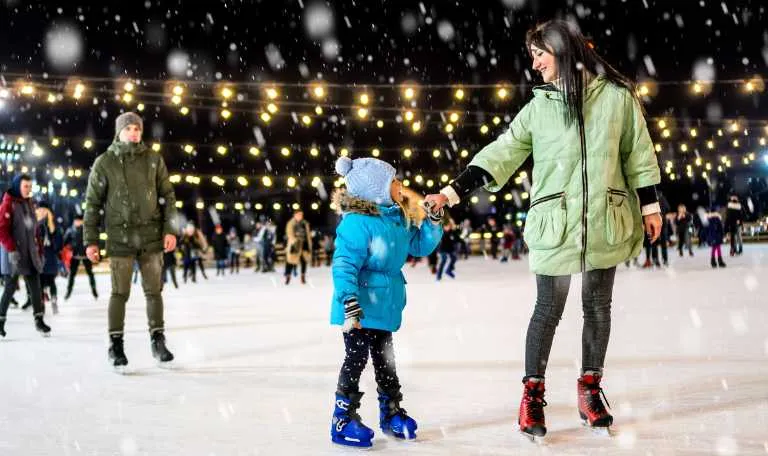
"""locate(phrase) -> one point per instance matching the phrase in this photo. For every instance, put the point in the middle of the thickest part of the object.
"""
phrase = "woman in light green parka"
(593, 193)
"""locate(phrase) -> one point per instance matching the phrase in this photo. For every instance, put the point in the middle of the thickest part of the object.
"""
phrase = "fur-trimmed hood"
(346, 203)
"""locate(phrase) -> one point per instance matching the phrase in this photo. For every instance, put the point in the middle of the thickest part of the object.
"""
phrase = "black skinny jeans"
(358, 344)
(552, 291)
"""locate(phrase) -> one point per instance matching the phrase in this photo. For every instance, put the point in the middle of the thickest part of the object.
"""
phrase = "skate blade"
(122, 370)
(408, 436)
(535, 439)
(347, 441)
(602, 431)
(167, 365)
(45, 334)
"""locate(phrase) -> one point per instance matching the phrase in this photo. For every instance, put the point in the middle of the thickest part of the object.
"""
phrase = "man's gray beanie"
(125, 119)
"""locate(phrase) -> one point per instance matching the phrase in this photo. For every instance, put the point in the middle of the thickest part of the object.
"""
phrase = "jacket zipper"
(544, 199)
(585, 196)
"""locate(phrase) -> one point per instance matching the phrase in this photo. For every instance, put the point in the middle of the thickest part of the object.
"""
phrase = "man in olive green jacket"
(130, 191)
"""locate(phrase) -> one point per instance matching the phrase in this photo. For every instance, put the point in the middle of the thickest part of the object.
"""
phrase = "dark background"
(380, 43)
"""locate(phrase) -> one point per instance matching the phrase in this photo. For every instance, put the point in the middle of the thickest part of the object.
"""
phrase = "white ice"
(257, 363)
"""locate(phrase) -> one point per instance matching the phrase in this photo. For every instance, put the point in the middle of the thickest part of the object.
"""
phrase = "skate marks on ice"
(679, 402)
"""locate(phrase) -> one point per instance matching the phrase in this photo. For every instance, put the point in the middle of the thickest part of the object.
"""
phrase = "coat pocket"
(618, 218)
(545, 224)
(375, 296)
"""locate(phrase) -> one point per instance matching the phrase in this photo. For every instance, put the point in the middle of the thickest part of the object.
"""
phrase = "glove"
(436, 216)
(13, 260)
(352, 315)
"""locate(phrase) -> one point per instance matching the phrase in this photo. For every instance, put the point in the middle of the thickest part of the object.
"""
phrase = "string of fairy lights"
(733, 141)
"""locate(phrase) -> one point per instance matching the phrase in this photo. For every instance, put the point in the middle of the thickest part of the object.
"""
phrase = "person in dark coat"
(220, 245)
(715, 235)
(74, 239)
(684, 226)
(52, 240)
(448, 246)
(18, 235)
(169, 267)
(734, 222)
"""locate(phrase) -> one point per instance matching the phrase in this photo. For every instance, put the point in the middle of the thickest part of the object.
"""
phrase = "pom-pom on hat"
(367, 178)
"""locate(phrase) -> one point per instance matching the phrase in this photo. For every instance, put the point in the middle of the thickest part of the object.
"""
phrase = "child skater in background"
(377, 232)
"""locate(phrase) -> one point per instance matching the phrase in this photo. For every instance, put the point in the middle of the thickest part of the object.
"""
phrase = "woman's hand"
(652, 224)
(436, 201)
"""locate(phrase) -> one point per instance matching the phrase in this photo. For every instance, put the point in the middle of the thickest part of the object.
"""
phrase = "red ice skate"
(591, 407)
(531, 418)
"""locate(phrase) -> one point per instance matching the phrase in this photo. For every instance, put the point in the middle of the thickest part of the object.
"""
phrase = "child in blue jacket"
(376, 234)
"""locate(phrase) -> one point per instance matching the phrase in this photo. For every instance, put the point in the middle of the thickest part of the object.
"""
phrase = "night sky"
(371, 47)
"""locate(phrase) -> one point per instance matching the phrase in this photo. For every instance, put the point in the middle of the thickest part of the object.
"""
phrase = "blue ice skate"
(346, 425)
(394, 420)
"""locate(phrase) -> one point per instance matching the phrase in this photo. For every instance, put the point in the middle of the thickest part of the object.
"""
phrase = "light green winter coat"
(584, 211)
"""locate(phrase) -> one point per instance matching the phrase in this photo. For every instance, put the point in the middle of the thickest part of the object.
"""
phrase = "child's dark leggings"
(358, 344)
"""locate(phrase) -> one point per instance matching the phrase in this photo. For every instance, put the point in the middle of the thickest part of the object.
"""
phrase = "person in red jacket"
(18, 235)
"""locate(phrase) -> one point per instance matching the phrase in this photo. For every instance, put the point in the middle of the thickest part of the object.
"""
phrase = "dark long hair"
(573, 55)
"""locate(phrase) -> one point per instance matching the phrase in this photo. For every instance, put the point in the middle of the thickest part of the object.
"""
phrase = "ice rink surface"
(686, 373)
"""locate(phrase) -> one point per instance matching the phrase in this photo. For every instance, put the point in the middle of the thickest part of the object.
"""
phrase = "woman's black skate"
(41, 327)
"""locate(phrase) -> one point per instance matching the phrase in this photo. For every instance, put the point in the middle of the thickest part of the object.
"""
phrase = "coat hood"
(346, 203)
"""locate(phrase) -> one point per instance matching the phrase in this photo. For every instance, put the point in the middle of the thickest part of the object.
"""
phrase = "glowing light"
(449, 128)
(444, 178)
(306, 119)
(272, 93)
(364, 99)
(459, 94)
(416, 126)
(496, 120)
(178, 90)
(710, 144)
(51, 97)
(175, 178)
(219, 206)
(419, 179)
(407, 153)
(265, 117)
(657, 147)
(277, 206)
(227, 93)
(319, 110)
(189, 148)
(666, 134)
(127, 98)
(316, 181)
(362, 113)
(454, 117)
(156, 147)
(129, 86)
(242, 180)
(344, 152)
(409, 93)
(408, 115)
(436, 153)
(694, 133)
(200, 205)
(380, 123)
(484, 129)
(239, 206)
(254, 151)
(55, 142)
(735, 143)
(644, 90)
(318, 91)
(221, 150)
(179, 204)
(662, 124)
(285, 152)
(375, 152)
(684, 147)
(184, 110)
(502, 93)
(291, 182)
(176, 99)
(315, 206)
(218, 181)
(314, 152)
(266, 181)
(258, 206)
(272, 108)
(140, 106)
(88, 143)
(464, 153)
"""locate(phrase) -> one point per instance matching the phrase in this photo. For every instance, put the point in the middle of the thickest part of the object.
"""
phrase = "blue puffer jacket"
(372, 245)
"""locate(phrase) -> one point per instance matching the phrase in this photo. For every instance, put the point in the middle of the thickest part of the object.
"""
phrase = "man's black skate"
(117, 352)
(2, 328)
(41, 327)
(159, 351)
